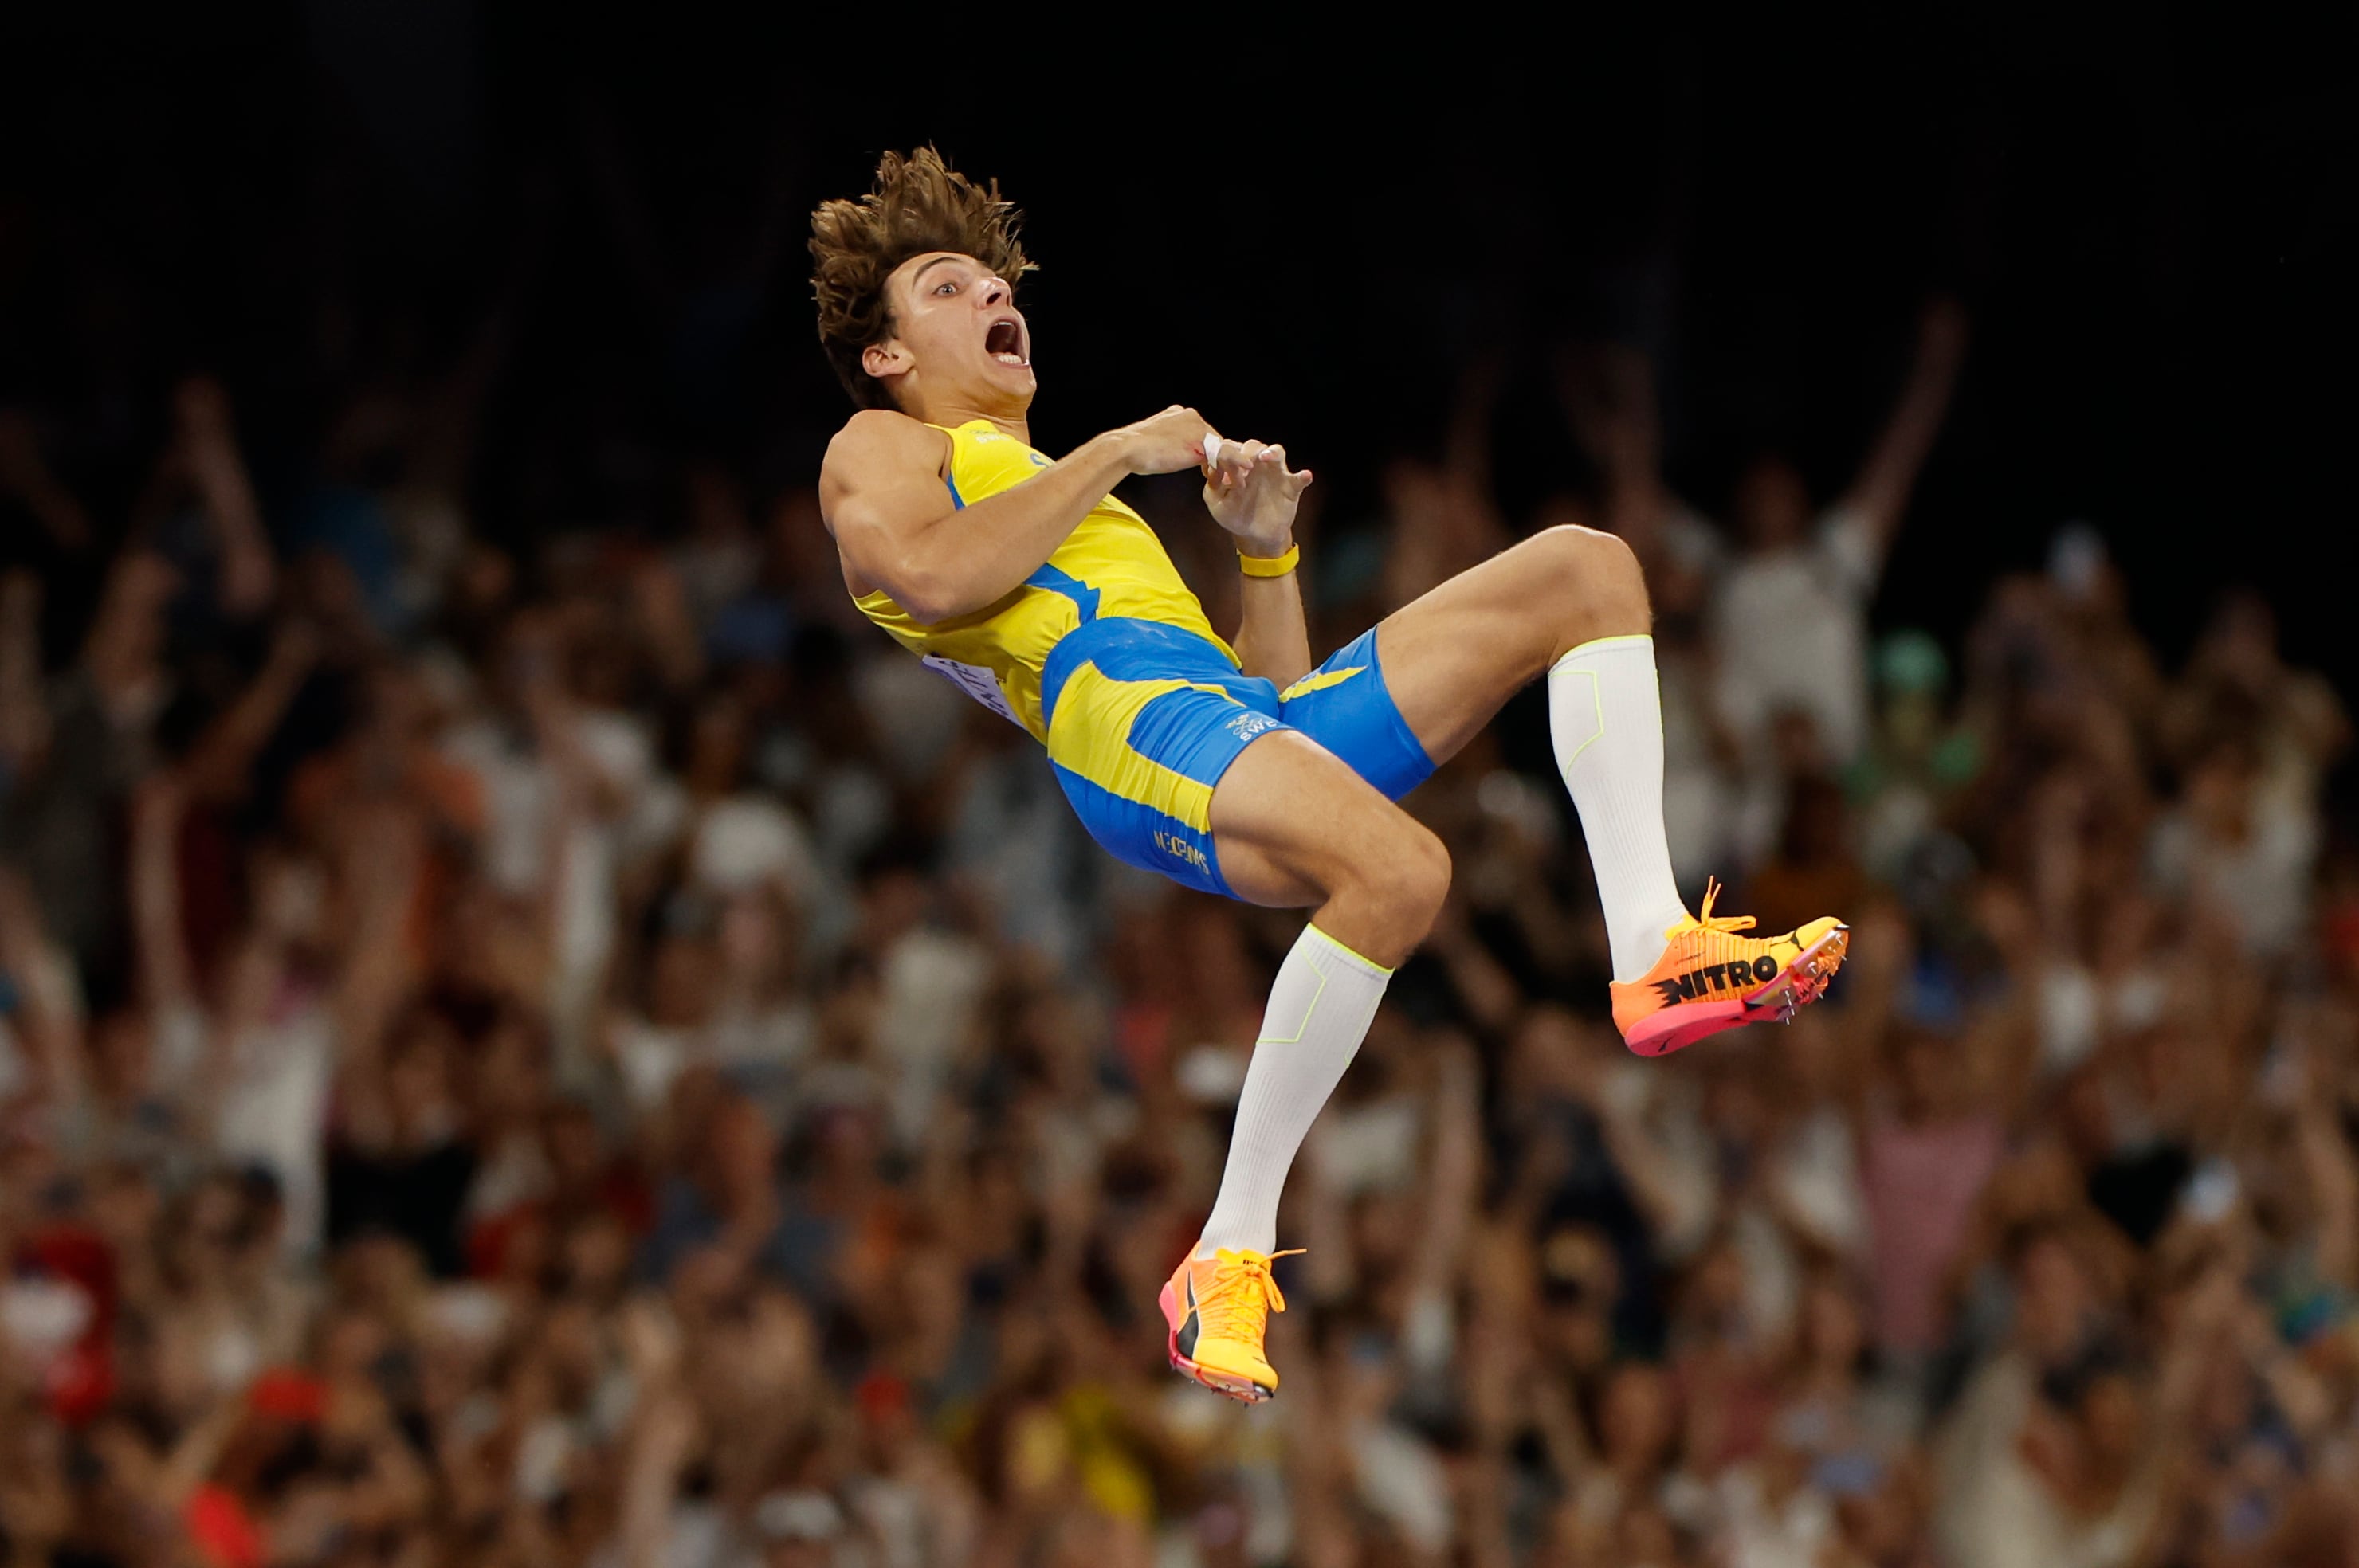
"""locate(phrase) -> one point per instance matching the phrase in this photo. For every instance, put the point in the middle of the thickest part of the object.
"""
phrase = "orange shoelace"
(1237, 1303)
(1705, 921)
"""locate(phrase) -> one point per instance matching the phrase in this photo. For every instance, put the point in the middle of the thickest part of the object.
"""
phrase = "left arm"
(1273, 640)
(1253, 495)
(1881, 491)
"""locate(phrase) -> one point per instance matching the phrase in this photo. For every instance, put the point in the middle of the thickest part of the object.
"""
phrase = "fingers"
(1239, 460)
(1232, 463)
(1226, 462)
(1272, 462)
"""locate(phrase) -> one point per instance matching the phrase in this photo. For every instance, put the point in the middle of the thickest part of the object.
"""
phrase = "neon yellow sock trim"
(1348, 953)
(1646, 637)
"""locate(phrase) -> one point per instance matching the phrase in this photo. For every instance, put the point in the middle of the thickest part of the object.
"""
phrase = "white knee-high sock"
(1320, 1010)
(1606, 718)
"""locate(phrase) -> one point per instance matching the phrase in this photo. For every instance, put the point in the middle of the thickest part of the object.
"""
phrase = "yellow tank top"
(1110, 565)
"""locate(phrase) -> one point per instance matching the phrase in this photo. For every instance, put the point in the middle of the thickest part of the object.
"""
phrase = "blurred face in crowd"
(716, 758)
(508, 1082)
(740, 1151)
(1833, 1336)
(401, 714)
(289, 895)
(2109, 1426)
(2241, 644)
(891, 903)
(570, 1141)
(1816, 823)
(216, 1214)
(1578, 1282)
(417, 1083)
(2220, 795)
(754, 936)
(120, 1052)
(124, 1206)
(1645, 1538)
(1414, 492)
(1773, 508)
(1635, 1419)
(679, 987)
(2053, 1301)
(958, 343)
(1928, 1077)
(597, 1256)
(1715, 1293)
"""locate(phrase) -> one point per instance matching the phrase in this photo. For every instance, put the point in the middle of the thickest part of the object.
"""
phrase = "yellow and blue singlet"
(1106, 658)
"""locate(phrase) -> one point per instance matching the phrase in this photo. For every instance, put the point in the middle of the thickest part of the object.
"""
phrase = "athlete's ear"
(887, 358)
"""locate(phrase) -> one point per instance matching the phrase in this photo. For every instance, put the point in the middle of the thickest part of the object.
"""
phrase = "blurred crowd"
(586, 1058)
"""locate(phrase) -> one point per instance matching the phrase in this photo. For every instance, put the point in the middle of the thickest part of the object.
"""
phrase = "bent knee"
(1406, 878)
(1597, 573)
(1589, 554)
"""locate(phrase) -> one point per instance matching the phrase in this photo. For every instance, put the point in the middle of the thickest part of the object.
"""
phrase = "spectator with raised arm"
(1790, 620)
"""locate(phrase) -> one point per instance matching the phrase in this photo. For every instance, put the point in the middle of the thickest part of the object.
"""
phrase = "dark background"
(2149, 217)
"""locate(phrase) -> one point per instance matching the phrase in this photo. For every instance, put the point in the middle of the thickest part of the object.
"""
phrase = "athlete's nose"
(992, 292)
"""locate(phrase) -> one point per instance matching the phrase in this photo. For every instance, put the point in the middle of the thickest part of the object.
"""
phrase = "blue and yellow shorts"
(1144, 718)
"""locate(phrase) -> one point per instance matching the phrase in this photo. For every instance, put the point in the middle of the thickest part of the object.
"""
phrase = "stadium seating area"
(590, 1057)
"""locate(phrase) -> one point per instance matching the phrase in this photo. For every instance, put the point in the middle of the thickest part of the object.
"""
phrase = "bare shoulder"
(880, 444)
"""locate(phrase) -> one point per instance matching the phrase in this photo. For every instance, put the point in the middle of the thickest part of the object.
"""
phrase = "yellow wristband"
(1270, 566)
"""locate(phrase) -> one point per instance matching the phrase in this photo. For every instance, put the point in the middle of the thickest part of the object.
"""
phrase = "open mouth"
(1004, 341)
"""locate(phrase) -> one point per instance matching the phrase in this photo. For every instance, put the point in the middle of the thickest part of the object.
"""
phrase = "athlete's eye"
(947, 288)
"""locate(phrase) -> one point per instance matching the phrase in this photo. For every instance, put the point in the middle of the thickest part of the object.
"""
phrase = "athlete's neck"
(951, 413)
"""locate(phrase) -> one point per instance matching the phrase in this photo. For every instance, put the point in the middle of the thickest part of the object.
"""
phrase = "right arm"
(24, 473)
(881, 491)
(49, 1020)
(167, 975)
(1880, 493)
(216, 470)
(23, 710)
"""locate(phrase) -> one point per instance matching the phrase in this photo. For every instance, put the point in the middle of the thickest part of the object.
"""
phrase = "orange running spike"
(1709, 979)
(1218, 1309)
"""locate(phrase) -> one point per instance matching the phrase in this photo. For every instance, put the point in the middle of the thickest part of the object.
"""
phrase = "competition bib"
(976, 682)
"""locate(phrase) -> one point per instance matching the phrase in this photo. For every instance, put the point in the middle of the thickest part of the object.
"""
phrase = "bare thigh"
(1292, 821)
(1454, 657)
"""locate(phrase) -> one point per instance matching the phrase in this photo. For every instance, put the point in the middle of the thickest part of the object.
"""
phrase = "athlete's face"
(957, 336)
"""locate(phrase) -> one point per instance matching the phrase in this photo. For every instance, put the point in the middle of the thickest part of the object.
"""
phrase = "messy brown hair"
(919, 204)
